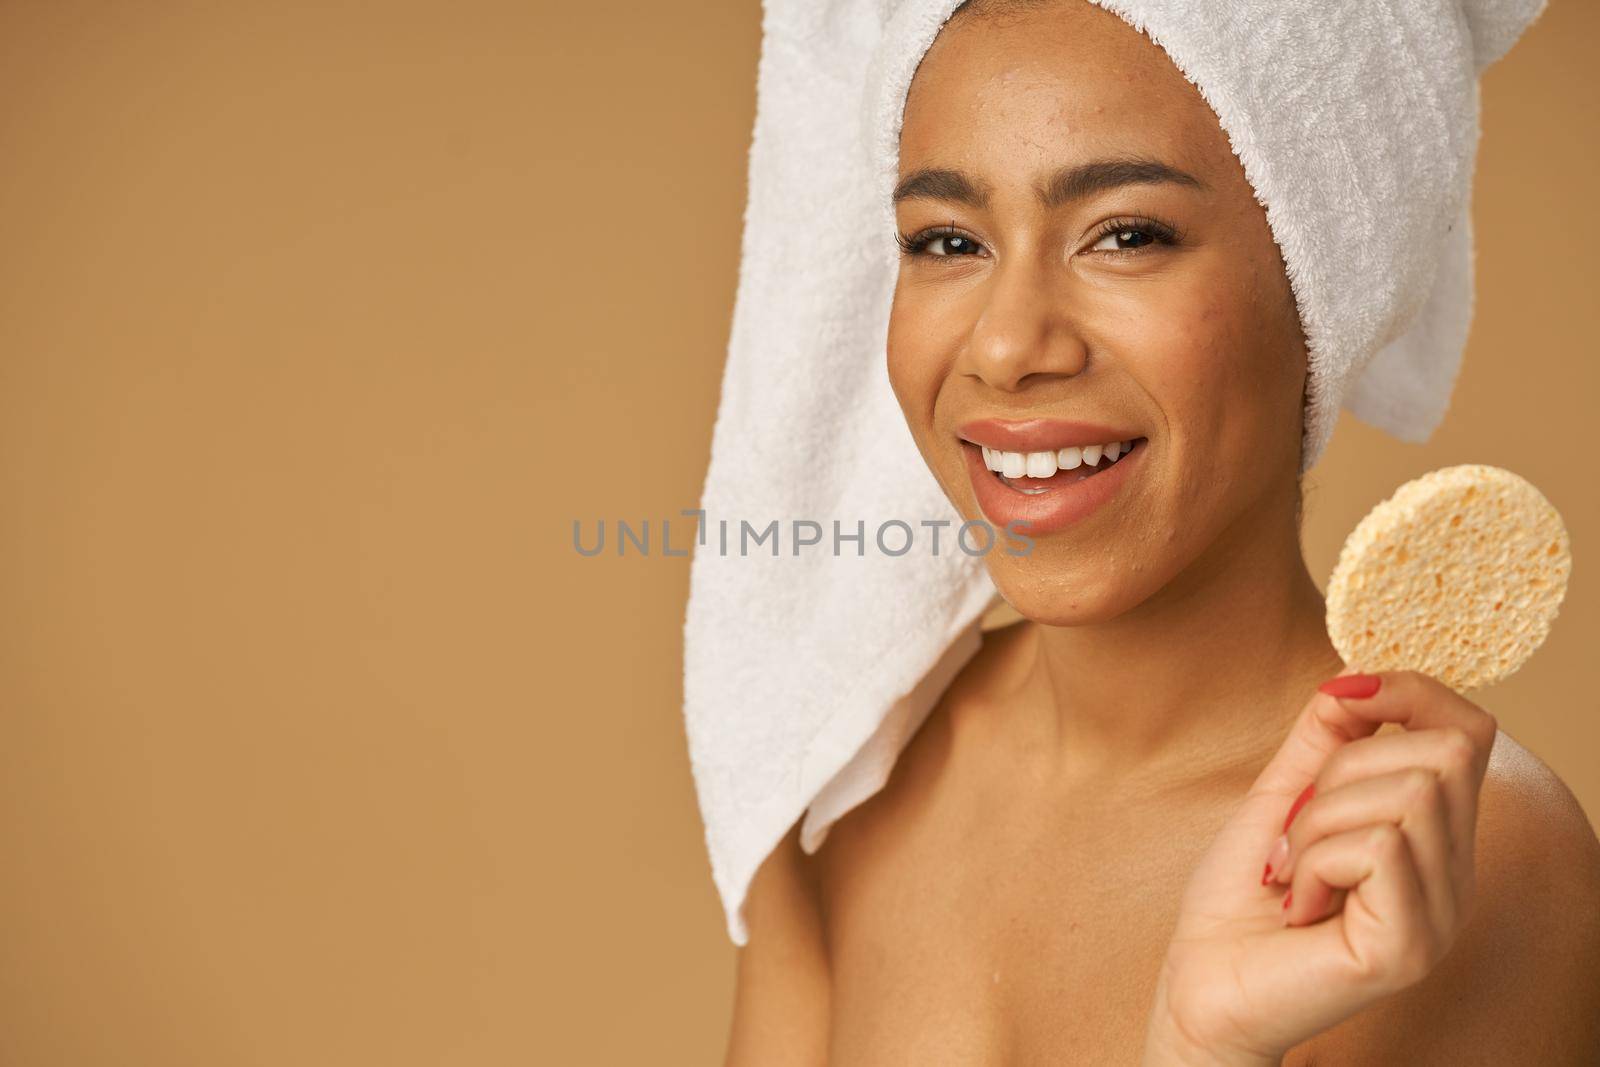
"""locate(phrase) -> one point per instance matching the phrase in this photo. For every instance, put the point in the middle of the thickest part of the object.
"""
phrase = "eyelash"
(1161, 232)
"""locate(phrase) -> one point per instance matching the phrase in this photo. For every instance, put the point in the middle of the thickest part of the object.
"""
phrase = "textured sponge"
(1458, 575)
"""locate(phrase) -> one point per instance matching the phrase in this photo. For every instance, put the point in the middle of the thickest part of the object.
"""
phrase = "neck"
(1219, 661)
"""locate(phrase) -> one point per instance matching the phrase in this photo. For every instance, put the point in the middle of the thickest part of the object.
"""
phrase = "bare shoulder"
(783, 998)
(1521, 985)
(1519, 786)
(964, 710)
(783, 990)
(1538, 864)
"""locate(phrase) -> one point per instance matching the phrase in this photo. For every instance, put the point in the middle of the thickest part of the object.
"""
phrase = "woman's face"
(1081, 246)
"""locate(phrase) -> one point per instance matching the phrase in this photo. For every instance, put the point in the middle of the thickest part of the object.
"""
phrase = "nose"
(1025, 333)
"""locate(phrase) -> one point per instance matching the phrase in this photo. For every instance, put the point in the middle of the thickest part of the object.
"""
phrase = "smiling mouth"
(1040, 472)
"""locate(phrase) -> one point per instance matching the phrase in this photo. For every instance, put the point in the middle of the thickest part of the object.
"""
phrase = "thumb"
(1321, 728)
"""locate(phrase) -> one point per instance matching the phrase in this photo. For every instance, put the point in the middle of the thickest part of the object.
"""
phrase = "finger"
(1327, 723)
(1447, 752)
(1418, 701)
(1412, 799)
(1391, 941)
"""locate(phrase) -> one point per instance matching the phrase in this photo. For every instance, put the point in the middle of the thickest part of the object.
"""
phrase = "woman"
(1065, 868)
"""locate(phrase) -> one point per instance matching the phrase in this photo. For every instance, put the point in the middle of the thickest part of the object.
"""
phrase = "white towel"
(806, 672)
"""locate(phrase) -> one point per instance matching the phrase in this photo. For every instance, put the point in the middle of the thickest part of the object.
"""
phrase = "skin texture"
(1116, 767)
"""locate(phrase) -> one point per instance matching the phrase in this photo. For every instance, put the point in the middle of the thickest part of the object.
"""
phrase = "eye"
(952, 243)
(1116, 238)
(1129, 235)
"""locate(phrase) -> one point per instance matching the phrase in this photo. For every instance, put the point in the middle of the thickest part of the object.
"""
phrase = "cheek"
(916, 365)
(1187, 356)
(1214, 361)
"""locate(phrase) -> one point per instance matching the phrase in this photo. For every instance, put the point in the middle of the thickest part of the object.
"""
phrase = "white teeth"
(1045, 464)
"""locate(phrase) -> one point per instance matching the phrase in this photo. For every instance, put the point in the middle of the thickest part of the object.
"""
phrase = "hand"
(1365, 892)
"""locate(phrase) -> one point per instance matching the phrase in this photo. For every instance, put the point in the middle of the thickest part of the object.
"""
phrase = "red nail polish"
(1266, 875)
(1299, 802)
(1286, 898)
(1351, 686)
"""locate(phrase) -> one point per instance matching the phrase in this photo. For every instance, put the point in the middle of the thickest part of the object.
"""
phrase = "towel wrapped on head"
(806, 672)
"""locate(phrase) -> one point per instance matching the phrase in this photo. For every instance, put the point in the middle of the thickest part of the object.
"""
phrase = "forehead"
(1062, 81)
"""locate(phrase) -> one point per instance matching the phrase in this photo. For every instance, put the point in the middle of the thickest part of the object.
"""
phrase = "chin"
(1065, 592)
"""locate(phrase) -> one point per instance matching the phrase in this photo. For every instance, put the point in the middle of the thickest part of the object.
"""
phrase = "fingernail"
(1287, 897)
(1299, 802)
(1351, 686)
(1275, 858)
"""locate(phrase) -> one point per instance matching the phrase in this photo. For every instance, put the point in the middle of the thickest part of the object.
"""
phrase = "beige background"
(319, 324)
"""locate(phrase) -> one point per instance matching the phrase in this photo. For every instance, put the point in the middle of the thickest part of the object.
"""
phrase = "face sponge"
(1458, 575)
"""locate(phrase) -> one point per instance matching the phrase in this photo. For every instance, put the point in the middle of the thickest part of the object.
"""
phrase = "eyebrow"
(1068, 183)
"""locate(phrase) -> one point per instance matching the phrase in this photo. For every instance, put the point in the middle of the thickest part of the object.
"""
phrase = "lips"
(1039, 505)
(1040, 435)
